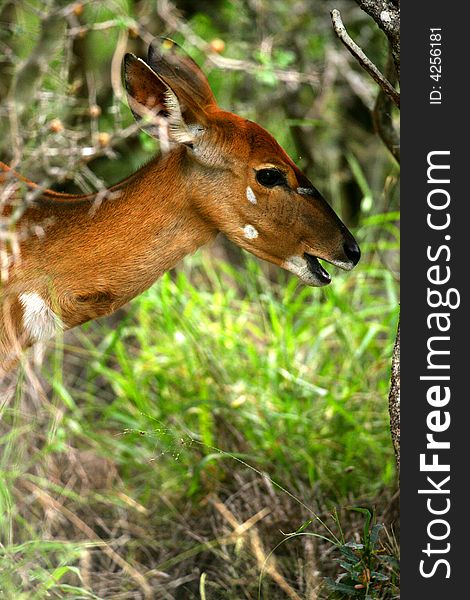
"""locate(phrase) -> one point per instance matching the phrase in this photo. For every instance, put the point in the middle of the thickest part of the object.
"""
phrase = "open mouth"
(319, 273)
(309, 270)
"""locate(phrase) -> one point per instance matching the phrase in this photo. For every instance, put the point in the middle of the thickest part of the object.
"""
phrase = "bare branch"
(365, 62)
(29, 76)
(386, 14)
(168, 13)
(382, 116)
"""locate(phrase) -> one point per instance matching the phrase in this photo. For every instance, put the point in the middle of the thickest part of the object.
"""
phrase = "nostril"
(352, 251)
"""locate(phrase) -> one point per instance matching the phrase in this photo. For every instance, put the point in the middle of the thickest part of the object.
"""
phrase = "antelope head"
(237, 177)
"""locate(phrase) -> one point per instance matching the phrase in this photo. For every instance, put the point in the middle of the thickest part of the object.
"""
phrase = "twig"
(118, 55)
(382, 115)
(386, 13)
(365, 62)
(167, 12)
(363, 87)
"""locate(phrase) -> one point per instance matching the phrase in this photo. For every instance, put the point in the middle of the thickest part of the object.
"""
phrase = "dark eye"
(270, 177)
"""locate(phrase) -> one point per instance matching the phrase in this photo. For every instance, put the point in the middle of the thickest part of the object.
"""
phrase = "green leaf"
(355, 545)
(349, 554)
(300, 529)
(340, 587)
(58, 573)
(368, 516)
(379, 576)
(347, 566)
(374, 533)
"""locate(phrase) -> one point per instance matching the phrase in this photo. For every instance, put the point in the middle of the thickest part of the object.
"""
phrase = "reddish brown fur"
(93, 258)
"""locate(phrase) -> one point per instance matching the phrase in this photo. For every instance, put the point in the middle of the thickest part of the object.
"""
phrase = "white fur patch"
(179, 131)
(250, 195)
(39, 321)
(305, 191)
(297, 265)
(250, 232)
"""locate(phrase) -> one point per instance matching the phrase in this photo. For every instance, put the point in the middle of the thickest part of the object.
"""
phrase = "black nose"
(352, 251)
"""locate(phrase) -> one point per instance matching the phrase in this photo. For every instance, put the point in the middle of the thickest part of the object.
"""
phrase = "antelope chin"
(308, 270)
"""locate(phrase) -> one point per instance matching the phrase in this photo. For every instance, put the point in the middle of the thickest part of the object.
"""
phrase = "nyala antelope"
(80, 258)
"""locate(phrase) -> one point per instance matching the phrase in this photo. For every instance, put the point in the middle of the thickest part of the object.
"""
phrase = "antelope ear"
(181, 73)
(156, 107)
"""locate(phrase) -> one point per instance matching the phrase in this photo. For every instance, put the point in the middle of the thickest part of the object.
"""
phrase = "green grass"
(216, 385)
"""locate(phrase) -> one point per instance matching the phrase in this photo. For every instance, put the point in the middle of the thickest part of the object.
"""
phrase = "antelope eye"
(270, 177)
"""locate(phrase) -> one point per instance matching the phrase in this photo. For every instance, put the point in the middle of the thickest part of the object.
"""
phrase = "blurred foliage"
(227, 389)
(278, 64)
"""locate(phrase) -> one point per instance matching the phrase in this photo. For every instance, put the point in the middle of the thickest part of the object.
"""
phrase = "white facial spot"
(250, 232)
(250, 195)
(305, 191)
(39, 321)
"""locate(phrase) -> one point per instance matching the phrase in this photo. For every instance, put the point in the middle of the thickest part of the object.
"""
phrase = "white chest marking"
(250, 232)
(250, 195)
(39, 321)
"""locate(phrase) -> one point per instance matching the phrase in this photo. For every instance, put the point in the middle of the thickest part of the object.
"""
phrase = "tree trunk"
(394, 399)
